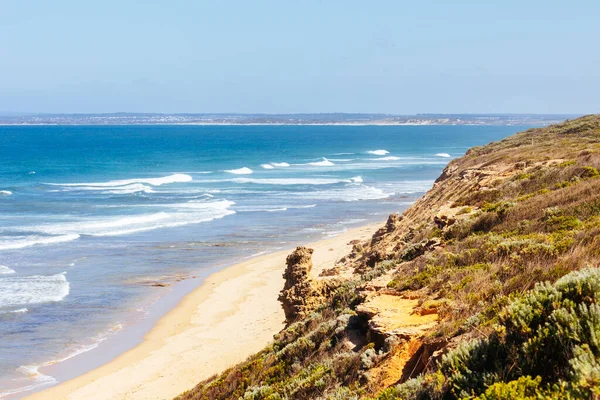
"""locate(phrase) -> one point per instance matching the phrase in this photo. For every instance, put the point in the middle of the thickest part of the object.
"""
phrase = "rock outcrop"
(394, 316)
(302, 293)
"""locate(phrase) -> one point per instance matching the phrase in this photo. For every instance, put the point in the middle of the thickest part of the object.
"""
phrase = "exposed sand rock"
(394, 316)
(302, 293)
(394, 366)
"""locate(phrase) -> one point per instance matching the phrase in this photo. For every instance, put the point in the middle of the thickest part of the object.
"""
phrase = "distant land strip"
(281, 119)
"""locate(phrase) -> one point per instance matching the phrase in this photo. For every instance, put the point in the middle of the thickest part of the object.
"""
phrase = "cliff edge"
(487, 287)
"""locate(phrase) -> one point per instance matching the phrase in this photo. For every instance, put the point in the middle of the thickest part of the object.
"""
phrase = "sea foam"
(175, 215)
(378, 152)
(323, 163)
(124, 189)
(4, 270)
(21, 291)
(32, 374)
(352, 192)
(290, 181)
(5, 193)
(26, 241)
(280, 164)
(240, 171)
(388, 158)
(172, 215)
(175, 178)
(445, 155)
(267, 166)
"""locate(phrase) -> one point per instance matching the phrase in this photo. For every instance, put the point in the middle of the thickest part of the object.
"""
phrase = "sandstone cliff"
(446, 300)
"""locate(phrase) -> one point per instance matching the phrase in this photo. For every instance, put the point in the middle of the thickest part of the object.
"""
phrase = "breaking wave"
(240, 171)
(4, 270)
(175, 178)
(323, 163)
(291, 181)
(174, 215)
(353, 192)
(378, 152)
(20, 242)
(125, 189)
(36, 289)
(388, 158)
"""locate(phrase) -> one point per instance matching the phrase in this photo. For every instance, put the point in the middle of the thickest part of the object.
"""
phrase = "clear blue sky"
(278, 56)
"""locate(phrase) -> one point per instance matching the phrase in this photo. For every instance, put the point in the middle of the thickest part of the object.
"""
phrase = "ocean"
(98, 223)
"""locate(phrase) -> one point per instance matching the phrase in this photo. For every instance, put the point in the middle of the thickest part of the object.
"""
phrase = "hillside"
(487, 286)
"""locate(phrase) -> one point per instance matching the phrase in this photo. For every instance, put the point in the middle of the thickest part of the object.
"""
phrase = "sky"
(284, 56)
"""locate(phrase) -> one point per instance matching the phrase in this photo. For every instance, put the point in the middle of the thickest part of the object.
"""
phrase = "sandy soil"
(232, 315)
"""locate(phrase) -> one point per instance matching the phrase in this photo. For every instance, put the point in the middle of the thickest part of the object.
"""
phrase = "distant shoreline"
(273, 124)
(314, 119)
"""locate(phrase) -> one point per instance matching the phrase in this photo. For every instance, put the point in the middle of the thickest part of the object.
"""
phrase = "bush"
(551, 333)
(589, 172)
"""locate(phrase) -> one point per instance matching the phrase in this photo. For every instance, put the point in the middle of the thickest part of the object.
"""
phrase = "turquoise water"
(91, 216)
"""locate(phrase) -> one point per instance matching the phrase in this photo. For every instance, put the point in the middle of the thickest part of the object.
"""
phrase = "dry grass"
(524, 210)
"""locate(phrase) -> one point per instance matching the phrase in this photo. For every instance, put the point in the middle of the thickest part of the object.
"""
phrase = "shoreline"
(232, 314)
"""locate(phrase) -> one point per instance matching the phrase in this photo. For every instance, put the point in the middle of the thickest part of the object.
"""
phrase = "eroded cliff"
(447, 300)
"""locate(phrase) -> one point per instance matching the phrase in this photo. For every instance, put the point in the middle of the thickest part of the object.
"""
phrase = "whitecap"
(445, 155)
(35, 289)
(389, 158)
(240, 171)
(4, 270)
(323, 163)
(353, 192)
(357, 179)
(5, 193)
(273, 208)
(178, 214)
(17, 311)
(378, 152)
(31, 173)
(20, 242)
(267, 166)
(175, 178)
(125, 189)
(290, 181)
(280, 165)
(130, 189)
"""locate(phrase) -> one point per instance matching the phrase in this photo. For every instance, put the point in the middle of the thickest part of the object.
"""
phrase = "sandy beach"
(232, 315)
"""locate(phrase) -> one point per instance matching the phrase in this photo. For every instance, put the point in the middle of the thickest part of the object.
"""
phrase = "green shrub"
(551, 332)
(567, 163)
(589, 172)
(522, 176)
(465, 210)
(524, 388)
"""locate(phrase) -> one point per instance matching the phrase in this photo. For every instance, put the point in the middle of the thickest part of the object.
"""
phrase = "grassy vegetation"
(521, 214)
(545, 345)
